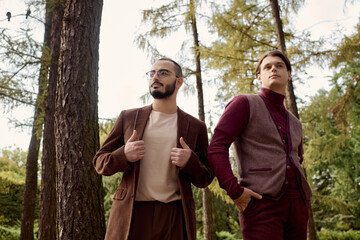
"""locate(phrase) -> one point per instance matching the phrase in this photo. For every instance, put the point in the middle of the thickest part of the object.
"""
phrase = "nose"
(155, 78)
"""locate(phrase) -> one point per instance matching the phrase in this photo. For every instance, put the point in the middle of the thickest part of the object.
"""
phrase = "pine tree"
(47, 208)
(80, 210)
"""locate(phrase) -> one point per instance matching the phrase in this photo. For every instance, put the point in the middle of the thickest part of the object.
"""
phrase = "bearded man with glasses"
(161, 150)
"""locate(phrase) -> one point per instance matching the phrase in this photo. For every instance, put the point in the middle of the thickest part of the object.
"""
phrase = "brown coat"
(111, 159)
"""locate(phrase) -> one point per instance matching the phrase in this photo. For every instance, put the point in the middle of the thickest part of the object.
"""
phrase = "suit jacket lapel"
(183, 126)
(141, 120)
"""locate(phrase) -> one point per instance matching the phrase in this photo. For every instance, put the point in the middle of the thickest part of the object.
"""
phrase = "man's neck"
(165, 105)
(278, 89)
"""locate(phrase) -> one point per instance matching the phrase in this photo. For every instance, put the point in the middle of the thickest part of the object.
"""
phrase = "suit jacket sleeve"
(110, 158)
(197, 168)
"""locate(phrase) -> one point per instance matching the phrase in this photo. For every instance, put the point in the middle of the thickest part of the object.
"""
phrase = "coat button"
(286, 182)
(287, 167)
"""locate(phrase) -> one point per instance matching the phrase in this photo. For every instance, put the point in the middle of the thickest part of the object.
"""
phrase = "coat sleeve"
(197, 168)
(110, 158)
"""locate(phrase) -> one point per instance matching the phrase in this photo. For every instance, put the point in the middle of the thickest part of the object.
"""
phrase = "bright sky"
(122, 66)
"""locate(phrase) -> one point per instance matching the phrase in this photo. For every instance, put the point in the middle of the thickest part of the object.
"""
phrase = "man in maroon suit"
(272, 192)
(161, 150)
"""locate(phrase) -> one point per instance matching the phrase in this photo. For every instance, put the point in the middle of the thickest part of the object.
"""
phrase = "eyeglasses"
(162, 73)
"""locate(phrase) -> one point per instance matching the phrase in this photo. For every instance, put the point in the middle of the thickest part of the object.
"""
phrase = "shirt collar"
(272, 96)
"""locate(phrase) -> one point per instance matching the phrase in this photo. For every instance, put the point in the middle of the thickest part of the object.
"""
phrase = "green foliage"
(244, 29)
(338, 235)
(332, 143)
(17, 156)
(10, 233)
(226, 236)
(162, 21)
(13, 232)
(19, 56)
(348, 50)
(333, 160)
(12, 184)
(12, 181)
(245, 32)
(105, 128)
(224, 213)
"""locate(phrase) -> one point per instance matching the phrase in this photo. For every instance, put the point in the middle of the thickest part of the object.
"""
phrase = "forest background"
(324, 58)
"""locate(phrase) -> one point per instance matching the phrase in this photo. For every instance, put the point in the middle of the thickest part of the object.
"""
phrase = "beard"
(169, 90)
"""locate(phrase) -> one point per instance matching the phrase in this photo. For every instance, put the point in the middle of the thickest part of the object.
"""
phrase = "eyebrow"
(160, 70)
(270, 63)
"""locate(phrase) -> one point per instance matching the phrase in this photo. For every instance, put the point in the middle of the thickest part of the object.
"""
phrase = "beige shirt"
(158, 180)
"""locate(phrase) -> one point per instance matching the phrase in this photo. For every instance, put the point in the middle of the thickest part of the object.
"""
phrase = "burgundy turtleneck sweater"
(231, 124)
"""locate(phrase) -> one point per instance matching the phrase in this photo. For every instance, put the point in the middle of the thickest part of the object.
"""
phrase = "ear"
(179, 82)
(258, 77)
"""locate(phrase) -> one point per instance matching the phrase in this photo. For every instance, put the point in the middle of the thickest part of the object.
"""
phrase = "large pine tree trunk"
(290, 99)
(80, 208)
(29, 201)
(47, 204)
(209, 232)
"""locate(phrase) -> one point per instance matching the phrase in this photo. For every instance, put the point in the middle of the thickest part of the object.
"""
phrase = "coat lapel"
(141, 120)
(183, 126)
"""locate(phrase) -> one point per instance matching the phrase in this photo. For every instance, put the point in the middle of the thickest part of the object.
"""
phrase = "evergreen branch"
(4, 96)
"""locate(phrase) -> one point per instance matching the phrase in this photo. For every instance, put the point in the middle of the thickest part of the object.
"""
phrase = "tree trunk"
(47, 208)
(209, 233)
(80, 207)
(290, 100)
(311, 227)
(29, 201)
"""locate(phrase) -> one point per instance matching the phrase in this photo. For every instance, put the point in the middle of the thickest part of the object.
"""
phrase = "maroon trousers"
(283, 219)
(156, 220)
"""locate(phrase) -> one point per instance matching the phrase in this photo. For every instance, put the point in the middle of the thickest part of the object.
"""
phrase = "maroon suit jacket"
(111, 159)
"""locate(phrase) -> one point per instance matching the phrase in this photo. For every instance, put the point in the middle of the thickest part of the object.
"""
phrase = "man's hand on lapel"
(134, 150)
(180, 156)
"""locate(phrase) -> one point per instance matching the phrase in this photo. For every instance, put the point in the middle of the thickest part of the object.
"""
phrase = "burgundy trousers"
(284, 219)
(156, 220)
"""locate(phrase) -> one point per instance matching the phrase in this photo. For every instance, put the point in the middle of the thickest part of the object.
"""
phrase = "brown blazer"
(111, 159)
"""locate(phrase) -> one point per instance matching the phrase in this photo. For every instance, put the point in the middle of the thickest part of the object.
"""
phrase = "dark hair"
(177, 67)
(274, 53)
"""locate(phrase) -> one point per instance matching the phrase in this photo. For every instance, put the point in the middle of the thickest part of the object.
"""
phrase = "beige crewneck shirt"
(158, 180)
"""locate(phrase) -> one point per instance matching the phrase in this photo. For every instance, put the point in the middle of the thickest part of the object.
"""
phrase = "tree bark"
(209, 232)
(47, 208)
(290, 100)
(29, 201)
(80, 207)
(311, 227)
